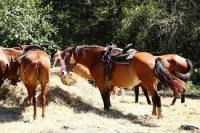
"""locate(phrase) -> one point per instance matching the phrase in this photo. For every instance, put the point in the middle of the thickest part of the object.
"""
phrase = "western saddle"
(114, 55)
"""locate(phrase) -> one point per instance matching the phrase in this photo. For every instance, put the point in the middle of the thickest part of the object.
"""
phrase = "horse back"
(175, 63)
(35, 67)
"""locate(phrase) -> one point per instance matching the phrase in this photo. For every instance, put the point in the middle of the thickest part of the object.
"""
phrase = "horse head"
(14, 71)
(57, 59)
(68, 60)
(85, 55)
(12, 56)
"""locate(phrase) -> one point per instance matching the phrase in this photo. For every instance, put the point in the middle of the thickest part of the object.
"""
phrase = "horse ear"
(58, 51)
(21, 46)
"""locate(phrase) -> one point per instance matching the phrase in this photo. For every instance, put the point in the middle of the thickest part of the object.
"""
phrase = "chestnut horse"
(9, 65)
(84, 72)
(143, 67)
(34, 70)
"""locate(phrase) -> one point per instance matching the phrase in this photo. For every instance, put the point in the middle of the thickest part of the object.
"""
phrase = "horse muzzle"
(64, 69)
(63, 73)
(14, 83)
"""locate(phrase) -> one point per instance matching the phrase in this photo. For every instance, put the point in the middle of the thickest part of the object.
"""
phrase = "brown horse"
(9, 65)
(84, 72)
(143, 67)
(34, 70)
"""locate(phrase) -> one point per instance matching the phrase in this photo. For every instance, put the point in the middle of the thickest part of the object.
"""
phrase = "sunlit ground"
(79, 108)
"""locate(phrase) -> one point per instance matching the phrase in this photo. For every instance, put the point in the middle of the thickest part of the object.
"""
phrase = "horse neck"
(89, 58)
(12, 53)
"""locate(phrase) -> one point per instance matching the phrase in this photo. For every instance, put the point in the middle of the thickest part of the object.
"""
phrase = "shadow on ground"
(79, 105)
(9, 114)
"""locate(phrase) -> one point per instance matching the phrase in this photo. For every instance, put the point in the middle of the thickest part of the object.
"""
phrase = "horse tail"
(186, 76)
(34, 72)
(166, 77)
(37, 67)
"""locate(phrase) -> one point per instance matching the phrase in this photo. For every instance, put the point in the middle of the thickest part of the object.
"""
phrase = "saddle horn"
(129, 46)
(113, 45)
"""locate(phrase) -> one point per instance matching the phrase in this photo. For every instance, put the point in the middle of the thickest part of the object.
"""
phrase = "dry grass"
(79, 108)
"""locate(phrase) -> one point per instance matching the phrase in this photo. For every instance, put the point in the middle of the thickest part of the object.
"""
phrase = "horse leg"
(136, 93)
(156, 104)
(1, 82)
(173, 102)
(106, 100)
(30, 94)
(43, 99)
(146, 95)
(183, 97)
(34, 104)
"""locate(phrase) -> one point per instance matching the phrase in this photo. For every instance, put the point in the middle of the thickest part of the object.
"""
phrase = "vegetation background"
(155, 26)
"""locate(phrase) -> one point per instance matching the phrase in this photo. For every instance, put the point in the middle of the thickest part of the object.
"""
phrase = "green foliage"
(86, 21)
(140, 25)
(22, 21)
(158, 27)
(196, 77)
(192, 89)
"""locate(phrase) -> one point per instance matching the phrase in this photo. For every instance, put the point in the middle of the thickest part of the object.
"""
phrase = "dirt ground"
(79, 108)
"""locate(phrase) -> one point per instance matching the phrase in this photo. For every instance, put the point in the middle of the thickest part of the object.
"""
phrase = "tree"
(22, 21)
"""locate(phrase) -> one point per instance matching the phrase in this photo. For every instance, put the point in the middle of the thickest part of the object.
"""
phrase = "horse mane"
(90, 46)
(79, 50)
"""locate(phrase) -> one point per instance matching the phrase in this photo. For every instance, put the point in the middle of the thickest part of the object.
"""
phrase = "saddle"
(29, 48)
(114, 55)
(32, 48)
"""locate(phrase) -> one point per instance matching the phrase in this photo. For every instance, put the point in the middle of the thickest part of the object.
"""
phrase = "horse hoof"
(34, 117)
(160, 116)
(106, 109)
(43, 115)
(154, 113)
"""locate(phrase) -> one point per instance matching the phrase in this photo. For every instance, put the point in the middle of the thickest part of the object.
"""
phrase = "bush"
(23, 21)
(196, 77)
